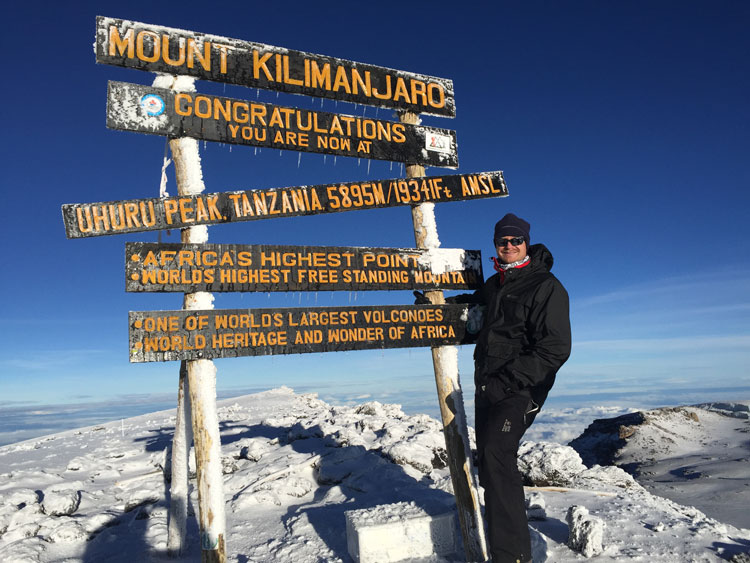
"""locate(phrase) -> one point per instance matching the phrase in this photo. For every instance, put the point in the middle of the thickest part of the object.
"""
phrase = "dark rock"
(605, 437)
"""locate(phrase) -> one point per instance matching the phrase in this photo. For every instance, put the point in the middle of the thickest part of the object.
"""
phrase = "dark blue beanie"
(512, 226)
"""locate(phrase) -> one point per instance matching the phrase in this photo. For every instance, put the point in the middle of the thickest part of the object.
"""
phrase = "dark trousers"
(499, 430)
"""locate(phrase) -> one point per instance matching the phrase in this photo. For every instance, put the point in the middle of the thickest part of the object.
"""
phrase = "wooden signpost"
(157, 111)
(211, 57)
(157, 214)
(197, 418)
(157, 336)
(450, 397)
(198, 333)
(153, 267)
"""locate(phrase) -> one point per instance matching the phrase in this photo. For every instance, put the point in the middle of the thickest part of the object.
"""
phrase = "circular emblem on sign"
(153, 104)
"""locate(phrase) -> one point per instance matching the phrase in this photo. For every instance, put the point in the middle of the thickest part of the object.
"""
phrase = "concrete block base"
(394, 532)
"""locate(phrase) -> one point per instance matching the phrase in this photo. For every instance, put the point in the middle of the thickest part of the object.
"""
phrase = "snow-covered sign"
(155, 214)
(235, 267)
(175, 51)
(159, 111)
(157, 336)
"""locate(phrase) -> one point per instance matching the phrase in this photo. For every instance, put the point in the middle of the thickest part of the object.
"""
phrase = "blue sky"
(622, 129)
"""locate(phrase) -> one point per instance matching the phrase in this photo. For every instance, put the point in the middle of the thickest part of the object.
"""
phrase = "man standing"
(524, 340)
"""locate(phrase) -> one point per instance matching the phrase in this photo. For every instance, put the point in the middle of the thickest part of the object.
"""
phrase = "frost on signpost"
(170, 108)
(199, 377)
(450, 397)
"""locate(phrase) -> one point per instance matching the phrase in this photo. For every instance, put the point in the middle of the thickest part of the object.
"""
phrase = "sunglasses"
(515, 241)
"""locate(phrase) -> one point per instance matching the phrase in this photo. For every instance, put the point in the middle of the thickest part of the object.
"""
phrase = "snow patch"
(441, 260)
(287, 498)
(61, 503)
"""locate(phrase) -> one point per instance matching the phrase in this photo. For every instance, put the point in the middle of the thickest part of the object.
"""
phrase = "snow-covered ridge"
(697, 455)
(293, 465)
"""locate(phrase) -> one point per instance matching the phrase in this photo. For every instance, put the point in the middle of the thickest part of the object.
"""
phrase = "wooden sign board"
(188, 268)
(156, 214)
(210, 57)
(160, 111)
(157, 336)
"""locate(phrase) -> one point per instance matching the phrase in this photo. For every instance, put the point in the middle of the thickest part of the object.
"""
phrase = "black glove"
(421, 298)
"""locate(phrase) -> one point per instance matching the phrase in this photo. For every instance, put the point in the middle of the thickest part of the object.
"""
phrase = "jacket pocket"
(501, 350)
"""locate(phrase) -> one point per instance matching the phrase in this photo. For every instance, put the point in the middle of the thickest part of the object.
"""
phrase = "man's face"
(508, 252)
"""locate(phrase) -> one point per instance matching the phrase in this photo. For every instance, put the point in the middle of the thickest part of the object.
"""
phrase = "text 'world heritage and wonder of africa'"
(186, 335)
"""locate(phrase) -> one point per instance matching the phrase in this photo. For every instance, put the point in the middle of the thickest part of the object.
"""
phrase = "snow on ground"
(292, 466)
(698, 455)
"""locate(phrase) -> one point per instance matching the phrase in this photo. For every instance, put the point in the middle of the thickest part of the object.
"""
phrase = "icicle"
(299, 158)
(334, 160)
(324, 158)
(391, 168)
(164, 165)
(368, 166)
(257, 92)
(163, 184)
(279, 152)
(359, 161)
(321, 102)
(255, 151)
(402, 168)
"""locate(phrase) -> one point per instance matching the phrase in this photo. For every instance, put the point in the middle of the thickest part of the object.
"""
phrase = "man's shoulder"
(549, 281)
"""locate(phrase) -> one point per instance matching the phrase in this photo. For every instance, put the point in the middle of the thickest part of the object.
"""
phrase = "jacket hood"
(541, 256)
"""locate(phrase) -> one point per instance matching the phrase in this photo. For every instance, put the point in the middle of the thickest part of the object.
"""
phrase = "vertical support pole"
(179, 486)
(200, 375)
(450, 397)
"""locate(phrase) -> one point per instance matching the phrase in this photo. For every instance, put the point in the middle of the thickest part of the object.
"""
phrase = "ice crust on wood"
(585, 532)
(441, 260)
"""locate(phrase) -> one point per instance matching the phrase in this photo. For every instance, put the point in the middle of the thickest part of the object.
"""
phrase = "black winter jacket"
(525, 336)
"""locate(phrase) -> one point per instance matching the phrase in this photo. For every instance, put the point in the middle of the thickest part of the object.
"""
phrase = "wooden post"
(445, 362)
(179, 486)
(201, 374)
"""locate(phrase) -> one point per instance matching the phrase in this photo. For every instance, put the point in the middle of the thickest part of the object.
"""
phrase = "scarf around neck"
(501, 268)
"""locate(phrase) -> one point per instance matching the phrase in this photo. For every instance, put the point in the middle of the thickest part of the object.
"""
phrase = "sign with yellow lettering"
(156, 214)
(235, 267)
(210, 57)
(157, 336)
(159, 111)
